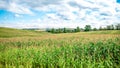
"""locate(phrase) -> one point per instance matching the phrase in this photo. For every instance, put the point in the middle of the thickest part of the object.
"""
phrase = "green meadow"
(39, 49)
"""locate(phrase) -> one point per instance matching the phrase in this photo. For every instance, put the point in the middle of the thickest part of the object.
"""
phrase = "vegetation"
(110, 27)
(69, 50)
(117, 27)
(10, 32)
(86, 29)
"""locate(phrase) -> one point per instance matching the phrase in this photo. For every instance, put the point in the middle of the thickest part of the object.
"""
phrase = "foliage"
(63, 30)
(118, 27)
(110, 27)
(95, 29)
(87, 28)
(78, 29)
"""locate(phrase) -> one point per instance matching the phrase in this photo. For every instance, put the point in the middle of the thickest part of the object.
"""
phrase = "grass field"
(35, 49)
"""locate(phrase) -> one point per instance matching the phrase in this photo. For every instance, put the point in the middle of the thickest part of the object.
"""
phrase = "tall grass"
(64, 53)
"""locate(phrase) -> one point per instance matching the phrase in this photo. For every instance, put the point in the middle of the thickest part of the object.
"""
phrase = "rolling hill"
(10, 32)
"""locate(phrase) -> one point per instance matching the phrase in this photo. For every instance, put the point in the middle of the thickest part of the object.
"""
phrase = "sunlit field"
(39, 49)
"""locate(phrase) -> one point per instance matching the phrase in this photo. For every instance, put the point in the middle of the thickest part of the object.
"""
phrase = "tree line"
(86, 28)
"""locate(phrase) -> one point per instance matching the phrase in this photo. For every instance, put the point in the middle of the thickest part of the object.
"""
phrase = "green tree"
(64, 30)
(53, 30)
(110, 27)
(100, 28)
(77, 29)
(94, 29)
(59, 30)
(117, 27)
(87, 28)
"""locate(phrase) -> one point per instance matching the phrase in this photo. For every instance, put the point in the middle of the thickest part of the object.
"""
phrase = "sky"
(58, 13)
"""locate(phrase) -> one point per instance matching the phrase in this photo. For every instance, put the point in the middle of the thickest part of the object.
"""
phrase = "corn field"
(61, 51)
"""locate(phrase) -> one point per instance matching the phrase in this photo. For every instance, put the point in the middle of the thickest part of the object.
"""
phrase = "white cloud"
(19, 9)
(67, 13)
(18, 15)
(3, 4)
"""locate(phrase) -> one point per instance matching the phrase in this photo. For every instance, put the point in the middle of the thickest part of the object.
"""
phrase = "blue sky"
(58, 13)
(118, 1)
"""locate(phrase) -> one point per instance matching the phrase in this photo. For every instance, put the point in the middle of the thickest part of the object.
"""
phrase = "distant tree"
(81, 29)
(87, 28)
(68, 30)
(48, 30)
(100, 28)
(117, 27)
(56, 31)
(94, 29)
(77, 29)
(53, 30)
(72, 31)
(110, 27)
(64, 30)
(59, 30)
(103, 28)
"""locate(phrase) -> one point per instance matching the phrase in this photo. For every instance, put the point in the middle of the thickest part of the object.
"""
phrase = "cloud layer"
(64, 13)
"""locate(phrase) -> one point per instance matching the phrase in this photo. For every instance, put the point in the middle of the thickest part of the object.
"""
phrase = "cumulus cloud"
(3, 4)
(13, 7)
(17, 15)
(66, 13)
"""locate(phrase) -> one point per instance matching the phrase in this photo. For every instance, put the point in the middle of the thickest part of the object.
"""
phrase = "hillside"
(10, 32)
(38, 49)
(102, 32)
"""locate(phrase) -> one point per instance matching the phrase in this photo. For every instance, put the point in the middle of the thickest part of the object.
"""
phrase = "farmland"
(38, 49)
